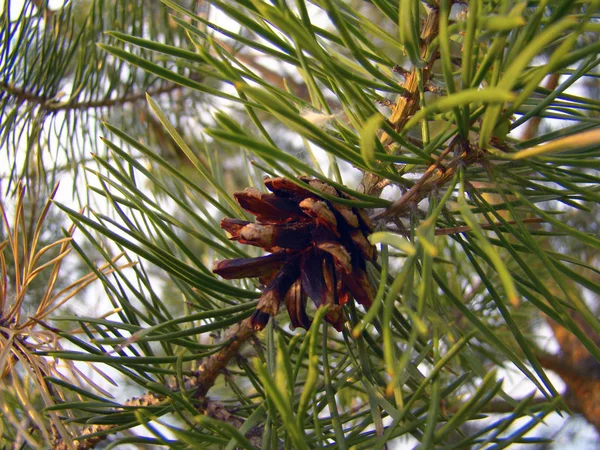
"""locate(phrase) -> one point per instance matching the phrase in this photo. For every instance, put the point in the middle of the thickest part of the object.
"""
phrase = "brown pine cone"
(318, 249)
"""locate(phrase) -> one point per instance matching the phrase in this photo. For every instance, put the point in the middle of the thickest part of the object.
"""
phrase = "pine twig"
(407, 103)
(50, 105)
(202, 382)
(399, 204)
(465, 155)
(533, 124)
(466, 229)
(212, 366)
(577, 367)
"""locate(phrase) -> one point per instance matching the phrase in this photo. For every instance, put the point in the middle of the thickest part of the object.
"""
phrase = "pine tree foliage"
(485, 232)
(56, 85)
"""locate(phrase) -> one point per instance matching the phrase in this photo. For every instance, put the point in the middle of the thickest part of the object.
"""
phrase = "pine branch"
(51, 105)
(212, 366)
(465, 155)
(201, 382)
(503, 407)
(407, 103)
(415, 192)
(274, 78)
(534, 123)
(578, 369)
(466, 229)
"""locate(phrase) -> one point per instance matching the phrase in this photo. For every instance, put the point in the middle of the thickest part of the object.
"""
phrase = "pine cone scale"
(250, 267)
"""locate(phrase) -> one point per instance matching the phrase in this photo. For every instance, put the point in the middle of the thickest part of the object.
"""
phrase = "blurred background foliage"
(466, 130)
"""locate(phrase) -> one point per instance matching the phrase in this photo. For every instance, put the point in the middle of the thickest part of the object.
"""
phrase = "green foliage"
(460, 282)
(55, 84)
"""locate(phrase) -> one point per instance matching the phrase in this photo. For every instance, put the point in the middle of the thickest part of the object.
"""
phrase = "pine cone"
(317, 249)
